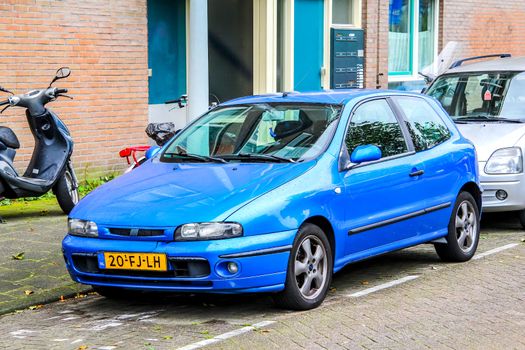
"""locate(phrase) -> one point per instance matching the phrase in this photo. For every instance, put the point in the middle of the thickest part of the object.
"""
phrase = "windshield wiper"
(485, 118)
(195, 157)
(263, 157)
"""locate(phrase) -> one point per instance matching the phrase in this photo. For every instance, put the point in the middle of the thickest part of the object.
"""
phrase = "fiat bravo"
(276, 193)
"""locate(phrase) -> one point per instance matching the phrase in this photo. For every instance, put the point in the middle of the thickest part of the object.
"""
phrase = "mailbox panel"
(347, 58)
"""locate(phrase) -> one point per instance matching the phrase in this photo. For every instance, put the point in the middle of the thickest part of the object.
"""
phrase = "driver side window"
(374, 123)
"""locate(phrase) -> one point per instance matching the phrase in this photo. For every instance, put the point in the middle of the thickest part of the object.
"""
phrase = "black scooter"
(50, 167)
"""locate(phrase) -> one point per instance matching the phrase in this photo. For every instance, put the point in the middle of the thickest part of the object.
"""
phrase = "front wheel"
(66, 191)
(463, 231)
(309, 270)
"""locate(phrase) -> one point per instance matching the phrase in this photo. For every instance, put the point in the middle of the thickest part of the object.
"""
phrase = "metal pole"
(198, 80)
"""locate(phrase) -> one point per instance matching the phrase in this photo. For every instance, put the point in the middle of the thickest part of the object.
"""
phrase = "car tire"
(521, 216)
(309, 271)
(463, 231)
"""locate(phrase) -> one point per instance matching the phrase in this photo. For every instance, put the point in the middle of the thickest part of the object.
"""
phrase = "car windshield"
(490, 96)
(280, 132)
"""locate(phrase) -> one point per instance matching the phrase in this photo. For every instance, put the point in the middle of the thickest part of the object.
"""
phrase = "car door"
(441, 176)
(382, 198)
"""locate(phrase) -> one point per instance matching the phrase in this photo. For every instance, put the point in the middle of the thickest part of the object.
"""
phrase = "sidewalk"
(38, 275)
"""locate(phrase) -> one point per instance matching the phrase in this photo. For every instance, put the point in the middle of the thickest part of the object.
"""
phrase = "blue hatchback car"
(276, 193)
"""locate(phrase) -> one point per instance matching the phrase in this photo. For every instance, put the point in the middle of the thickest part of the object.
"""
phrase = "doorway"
(230, 48)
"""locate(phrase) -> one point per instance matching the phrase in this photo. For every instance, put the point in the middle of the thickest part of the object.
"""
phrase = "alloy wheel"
(466, 226)
(311, 267)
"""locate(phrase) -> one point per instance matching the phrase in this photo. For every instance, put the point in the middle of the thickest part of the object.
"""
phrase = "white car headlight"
(505, 161)
(82, 228)
(208, 230)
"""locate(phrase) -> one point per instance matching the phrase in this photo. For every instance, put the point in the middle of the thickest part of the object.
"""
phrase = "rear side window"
(374, 123)
(424, 124)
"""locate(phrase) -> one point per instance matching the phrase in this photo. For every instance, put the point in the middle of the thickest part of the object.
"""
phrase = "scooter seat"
(8, 138)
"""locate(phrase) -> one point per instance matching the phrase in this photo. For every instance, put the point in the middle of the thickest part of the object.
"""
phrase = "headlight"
(83, 228)
(208, 230)
(505, 161)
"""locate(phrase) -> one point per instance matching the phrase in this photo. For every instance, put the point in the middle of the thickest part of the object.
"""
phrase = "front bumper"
(513, 184)
(262, 261)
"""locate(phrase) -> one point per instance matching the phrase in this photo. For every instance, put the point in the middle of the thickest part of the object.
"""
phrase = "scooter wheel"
(66, 192)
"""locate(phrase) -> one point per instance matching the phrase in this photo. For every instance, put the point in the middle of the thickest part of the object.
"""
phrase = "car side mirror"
(365, 153)
(152, 152)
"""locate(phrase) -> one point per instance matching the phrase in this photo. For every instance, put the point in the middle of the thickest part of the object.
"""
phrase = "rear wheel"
(309, 270)
(66, 191)
(463, 231)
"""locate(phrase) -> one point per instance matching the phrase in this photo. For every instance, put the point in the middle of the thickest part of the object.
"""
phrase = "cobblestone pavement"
(475, 305)
(39, 274)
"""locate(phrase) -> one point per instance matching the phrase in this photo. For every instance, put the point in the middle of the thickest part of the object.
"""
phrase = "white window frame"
(415, 45)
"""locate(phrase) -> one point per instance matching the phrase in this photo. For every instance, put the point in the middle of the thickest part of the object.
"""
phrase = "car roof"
(323, 97)
(509, 64)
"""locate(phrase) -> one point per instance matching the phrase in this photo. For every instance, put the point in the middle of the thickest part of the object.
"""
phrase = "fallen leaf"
(34, 307)
(364, 283)
(523, 240)
(61, 298)
(167, 337)
(434, 268)
(19, 256)
(82, 347)
(333, 289)
(28, 292)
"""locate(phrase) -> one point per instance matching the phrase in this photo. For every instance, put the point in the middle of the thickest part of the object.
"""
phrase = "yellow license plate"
(135, 261)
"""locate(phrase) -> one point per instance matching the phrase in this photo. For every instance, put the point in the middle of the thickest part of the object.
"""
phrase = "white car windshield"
(498, 96)
(280, 132)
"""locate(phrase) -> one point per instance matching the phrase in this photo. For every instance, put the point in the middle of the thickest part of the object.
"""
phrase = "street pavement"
(32, 268)
(404, 300)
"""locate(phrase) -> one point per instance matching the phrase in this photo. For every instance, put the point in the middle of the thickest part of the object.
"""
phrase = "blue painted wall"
(308, 44)
(166, 49)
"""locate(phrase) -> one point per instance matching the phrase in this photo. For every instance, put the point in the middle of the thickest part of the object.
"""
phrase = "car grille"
(178, 267)
(136, 232)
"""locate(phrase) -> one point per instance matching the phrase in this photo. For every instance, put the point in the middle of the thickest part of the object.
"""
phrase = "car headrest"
(289, 127)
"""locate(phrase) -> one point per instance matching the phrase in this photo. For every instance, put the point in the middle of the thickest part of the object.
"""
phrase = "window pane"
(472, 94)
(343, 12)
(514, 104)
(426, 127)
(399, 48)
(374, 123)
(426, 32)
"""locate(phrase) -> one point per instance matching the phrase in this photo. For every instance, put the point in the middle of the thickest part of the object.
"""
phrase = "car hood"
(170, 194)
(488, 137)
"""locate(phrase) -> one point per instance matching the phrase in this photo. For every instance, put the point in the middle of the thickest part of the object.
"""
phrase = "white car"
(487, 101)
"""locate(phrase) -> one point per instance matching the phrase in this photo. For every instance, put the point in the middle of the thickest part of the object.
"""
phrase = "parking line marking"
(225, 336)
(382, 286)
(494, 251)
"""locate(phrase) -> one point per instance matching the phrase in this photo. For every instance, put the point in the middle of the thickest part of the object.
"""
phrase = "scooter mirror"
(62, 73)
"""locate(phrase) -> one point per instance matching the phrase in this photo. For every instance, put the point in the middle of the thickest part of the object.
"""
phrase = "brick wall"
(375, 23)
(484, 27)
(104, 42)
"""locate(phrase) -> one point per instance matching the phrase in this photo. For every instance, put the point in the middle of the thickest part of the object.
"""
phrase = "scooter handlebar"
(61, 91)
(4, 102)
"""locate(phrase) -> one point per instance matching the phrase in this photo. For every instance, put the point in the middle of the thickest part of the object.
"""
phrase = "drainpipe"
(198, 80)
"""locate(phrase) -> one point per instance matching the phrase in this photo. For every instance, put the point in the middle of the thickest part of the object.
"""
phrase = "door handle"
(416, 173)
